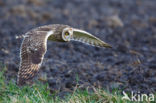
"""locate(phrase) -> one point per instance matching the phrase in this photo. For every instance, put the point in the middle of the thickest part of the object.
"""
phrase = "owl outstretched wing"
(32, 51)
(85, 37)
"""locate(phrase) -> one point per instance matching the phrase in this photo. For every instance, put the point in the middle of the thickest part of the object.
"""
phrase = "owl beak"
(85, 37)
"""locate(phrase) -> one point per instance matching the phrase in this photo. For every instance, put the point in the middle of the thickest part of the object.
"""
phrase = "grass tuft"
(40, 93)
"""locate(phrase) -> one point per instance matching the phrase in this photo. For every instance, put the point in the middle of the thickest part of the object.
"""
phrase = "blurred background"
(128, 25)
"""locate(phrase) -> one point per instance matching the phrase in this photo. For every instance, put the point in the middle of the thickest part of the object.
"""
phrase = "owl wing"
(85, 37)
(32, 52)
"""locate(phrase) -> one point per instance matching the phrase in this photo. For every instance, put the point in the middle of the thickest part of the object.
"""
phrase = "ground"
(128, 25)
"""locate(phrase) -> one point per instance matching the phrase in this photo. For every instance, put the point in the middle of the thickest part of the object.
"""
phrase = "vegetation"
(39, 93)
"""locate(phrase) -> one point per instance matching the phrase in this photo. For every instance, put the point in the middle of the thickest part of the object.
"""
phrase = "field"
(74, 69)
(41, 93)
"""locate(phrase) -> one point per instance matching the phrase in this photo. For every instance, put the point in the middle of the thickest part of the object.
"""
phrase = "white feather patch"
(49, 33)
(82, 31)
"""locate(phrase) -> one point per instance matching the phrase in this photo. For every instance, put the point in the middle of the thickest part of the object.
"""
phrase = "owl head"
(67, 34)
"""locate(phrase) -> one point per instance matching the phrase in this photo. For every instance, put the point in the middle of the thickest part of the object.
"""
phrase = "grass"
(39, 93)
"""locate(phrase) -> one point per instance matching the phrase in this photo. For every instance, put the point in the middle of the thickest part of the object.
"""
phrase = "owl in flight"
(34, 47)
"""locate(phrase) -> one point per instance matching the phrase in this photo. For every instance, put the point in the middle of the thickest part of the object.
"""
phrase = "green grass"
(40, 93)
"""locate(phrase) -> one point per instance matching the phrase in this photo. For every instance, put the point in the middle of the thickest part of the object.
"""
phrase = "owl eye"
(66, 33)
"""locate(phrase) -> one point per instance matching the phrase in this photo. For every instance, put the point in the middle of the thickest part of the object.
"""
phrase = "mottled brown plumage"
(34, 47)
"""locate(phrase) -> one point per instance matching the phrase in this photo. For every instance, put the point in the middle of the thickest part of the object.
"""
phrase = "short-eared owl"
(34, 46)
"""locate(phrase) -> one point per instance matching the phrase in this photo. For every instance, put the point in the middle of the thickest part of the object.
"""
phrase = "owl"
(34, 47)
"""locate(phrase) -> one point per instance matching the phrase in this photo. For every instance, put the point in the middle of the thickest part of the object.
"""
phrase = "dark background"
(128, 25)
